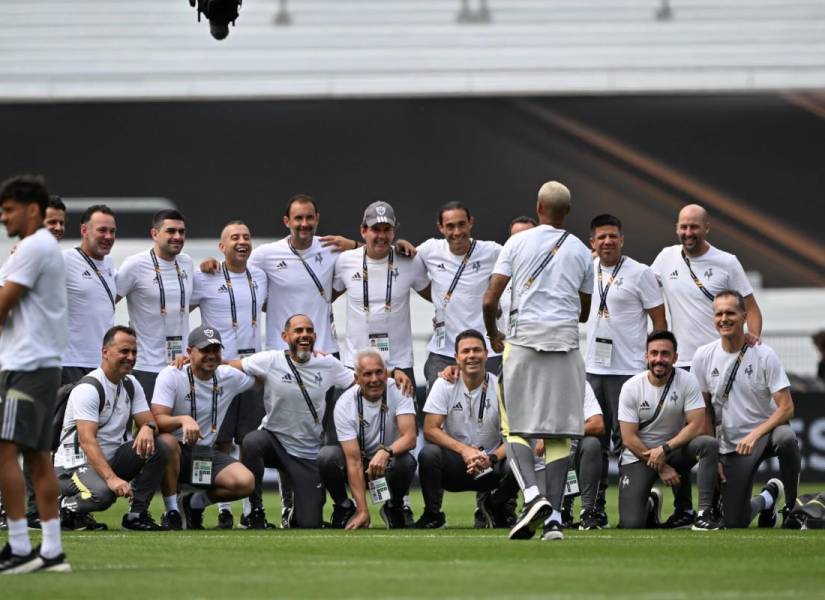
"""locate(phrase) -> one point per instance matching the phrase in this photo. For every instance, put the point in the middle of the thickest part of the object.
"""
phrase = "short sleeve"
(658, 264)
(424, 249)
(775, 375)
(504, 265)
(85, 403)
(420, 279)
(198, 286)
(27, 263)
(738, 279)
(591, 404)
(240, 380)
(699, 370)
(338, 283)
(257, 258)
(437, 400)
(627, 403)
(405, 405)
(259, 364)
(139, 403)
(166, 388)
(345, 425)
(342, 377)
(125, 277)
(693, 397)
(586, 286)
(649, 290)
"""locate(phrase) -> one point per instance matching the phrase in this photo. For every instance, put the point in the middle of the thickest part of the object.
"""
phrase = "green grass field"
(458, 562)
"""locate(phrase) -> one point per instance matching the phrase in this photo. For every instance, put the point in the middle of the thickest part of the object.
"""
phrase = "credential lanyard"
(193, 405)
(161, 288)
(734, 371)
(546, 261)
(458, 273)
(382, 424)
(603, 312)
(662, 399)
(93, 266)
(365, 282)
(252, 294)
(302, 387)
(696, 279)
(308, 269)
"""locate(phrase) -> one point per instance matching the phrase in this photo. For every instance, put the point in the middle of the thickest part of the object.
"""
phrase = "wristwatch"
(666, 448)
(388, 450)
(152, 425)
(493, 457)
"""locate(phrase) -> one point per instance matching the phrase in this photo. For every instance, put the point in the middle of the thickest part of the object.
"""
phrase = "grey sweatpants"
(333, 468)
(738, 507)
(586, 459)
(83, 490)
(636, 479)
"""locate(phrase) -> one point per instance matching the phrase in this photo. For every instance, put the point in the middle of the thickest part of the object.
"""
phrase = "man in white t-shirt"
(91, 291)
(749, 396)
(464, 449)
(459, 268)
(626, 295)
(32, 340)
(230, 299)
(517, 225)
(377, 281)
(296, 382)
(157, 285)
(55, 220)
(552, 281)
(191, 402)
(98, 460)
(375, 423)
(662, 417)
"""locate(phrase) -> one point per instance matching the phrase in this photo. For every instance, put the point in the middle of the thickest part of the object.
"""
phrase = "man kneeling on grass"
(375, 423)
(191, 402)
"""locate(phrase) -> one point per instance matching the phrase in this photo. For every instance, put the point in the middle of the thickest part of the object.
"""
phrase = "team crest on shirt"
(674, 397)
(749, 370)
(319, 258)
(395, 273)
(709, 273)
(617, 283)
(281, 265)
(475, 266)
(86, 275)
(318, 378)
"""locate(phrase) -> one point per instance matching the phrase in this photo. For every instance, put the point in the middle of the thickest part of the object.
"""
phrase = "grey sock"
(522, 464)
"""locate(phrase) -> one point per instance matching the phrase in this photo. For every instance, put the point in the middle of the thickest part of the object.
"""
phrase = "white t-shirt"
(112, 422)
(346, 417)
(638, 401)
(380, 328)
(591, 403)
(634, 291)
(463, 310)
(172, 389)
(548, 310)
(461, 408)
(136, 281)
(212, 295)
(750, 402)
(292, 290)
(691, 312)
(34, 336)
(90, 310)
(287, 414)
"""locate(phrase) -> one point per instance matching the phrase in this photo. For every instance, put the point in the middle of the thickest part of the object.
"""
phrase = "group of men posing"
(515, 407)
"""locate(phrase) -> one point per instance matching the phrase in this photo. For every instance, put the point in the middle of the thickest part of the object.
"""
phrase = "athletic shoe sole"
(779, 496)
(552, 535)
(525, 528)
(29, 566)
(657, 511)
(62, 567)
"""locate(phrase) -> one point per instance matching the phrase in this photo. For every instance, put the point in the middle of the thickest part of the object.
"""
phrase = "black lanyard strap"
(696, 279)
(303, 388)
(603, 312)
(382, 424)
(546, 261)
(193, 405)
(662, 400)
(309, 270)
(459, 272)
(734, 371)
(93, 266)
(365, 282)
(483, 400)
(160, 284)
(232, 307)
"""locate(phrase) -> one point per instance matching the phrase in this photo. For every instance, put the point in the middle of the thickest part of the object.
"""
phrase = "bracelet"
(356, 244)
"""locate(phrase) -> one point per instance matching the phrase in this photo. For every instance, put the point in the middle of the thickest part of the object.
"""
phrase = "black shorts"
(244, 414)
(27, 402)
(220, 460)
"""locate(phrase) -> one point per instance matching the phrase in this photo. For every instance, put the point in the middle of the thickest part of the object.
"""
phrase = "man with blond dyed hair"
(543, 372)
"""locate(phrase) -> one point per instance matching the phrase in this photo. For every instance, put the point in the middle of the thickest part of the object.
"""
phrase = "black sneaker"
(171, 521)
(504, 516)
(552, 531)
(341, 514)
(143, 522)
(708, 520)
(4, 523)
(58, 564)
(287, 513)
(567, 516)
(68, 520)
(532, 515)
(431, 520)
(256, 519)
(33, 521)
(90, 523)
(192, 516)
(680, 520)
(225, 519)
(409, 519)
(13, 564)
(590, 520)
(654, 509)
(791, 520)
(767, 517)
(483, 517)
(393, 517)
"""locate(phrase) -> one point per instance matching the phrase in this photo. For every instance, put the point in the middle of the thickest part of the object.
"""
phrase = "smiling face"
(660, 358)
(728, 316)
(55, 222)
(302, 222)
(120, 354)
(206, 360)
(692, 228)
(456, 227)
(98, 235)
(607, 241)
(371, 375)
(300, 337)
(378, 238)
(471, 356)
(169, 237)
(236, 243)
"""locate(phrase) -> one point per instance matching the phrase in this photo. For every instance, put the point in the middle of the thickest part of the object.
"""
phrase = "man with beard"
(662, 420)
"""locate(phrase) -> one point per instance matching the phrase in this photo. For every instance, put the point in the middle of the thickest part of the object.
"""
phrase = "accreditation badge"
(379, 490)
(571, 485)
(244, 352)
(202, 466)
(381, 342)
(174, 347)
(512, 323)
(73, 455)
(440, 334)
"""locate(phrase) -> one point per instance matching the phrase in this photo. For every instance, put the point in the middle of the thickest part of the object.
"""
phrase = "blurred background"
(639, 106)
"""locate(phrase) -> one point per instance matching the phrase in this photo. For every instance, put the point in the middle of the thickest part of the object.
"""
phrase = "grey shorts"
(220, 461)
(244, 414)
(27, 402)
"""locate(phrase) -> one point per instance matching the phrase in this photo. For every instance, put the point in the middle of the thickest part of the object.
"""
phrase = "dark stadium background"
(222, 160)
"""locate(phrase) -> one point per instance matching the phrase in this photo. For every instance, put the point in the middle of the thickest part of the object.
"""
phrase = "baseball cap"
(379, 212)
(204, 335)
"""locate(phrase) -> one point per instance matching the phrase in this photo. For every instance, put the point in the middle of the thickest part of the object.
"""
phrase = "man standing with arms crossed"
(544, 376)
(33, 337)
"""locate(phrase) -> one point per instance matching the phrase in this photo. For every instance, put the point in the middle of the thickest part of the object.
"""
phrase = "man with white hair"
(543, 371)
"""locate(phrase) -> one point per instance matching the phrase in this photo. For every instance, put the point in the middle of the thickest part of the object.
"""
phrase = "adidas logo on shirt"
(715, 372)
(281, 265)
(644, 404)
(223, 289)
(674, 275)
(356, 277)
(457, 407)
(286, 378)
(441, 267)
(86, 275)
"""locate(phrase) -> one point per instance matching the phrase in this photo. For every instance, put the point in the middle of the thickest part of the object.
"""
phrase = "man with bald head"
(691, 274)
(544, 376)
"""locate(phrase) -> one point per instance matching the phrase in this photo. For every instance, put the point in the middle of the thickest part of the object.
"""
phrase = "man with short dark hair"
(662, 420)
(55, 220)
(98, 460)
(32, 340)
(157, 286)
(749, 397)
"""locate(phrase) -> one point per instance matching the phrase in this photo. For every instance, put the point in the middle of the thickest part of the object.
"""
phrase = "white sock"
(199, 500)
(247, 506)
(225, 506)
(19, 540)
(406, 500)
(50, 547)
(170, 502)
(554, 516)
(531, 493)
(768, 499)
